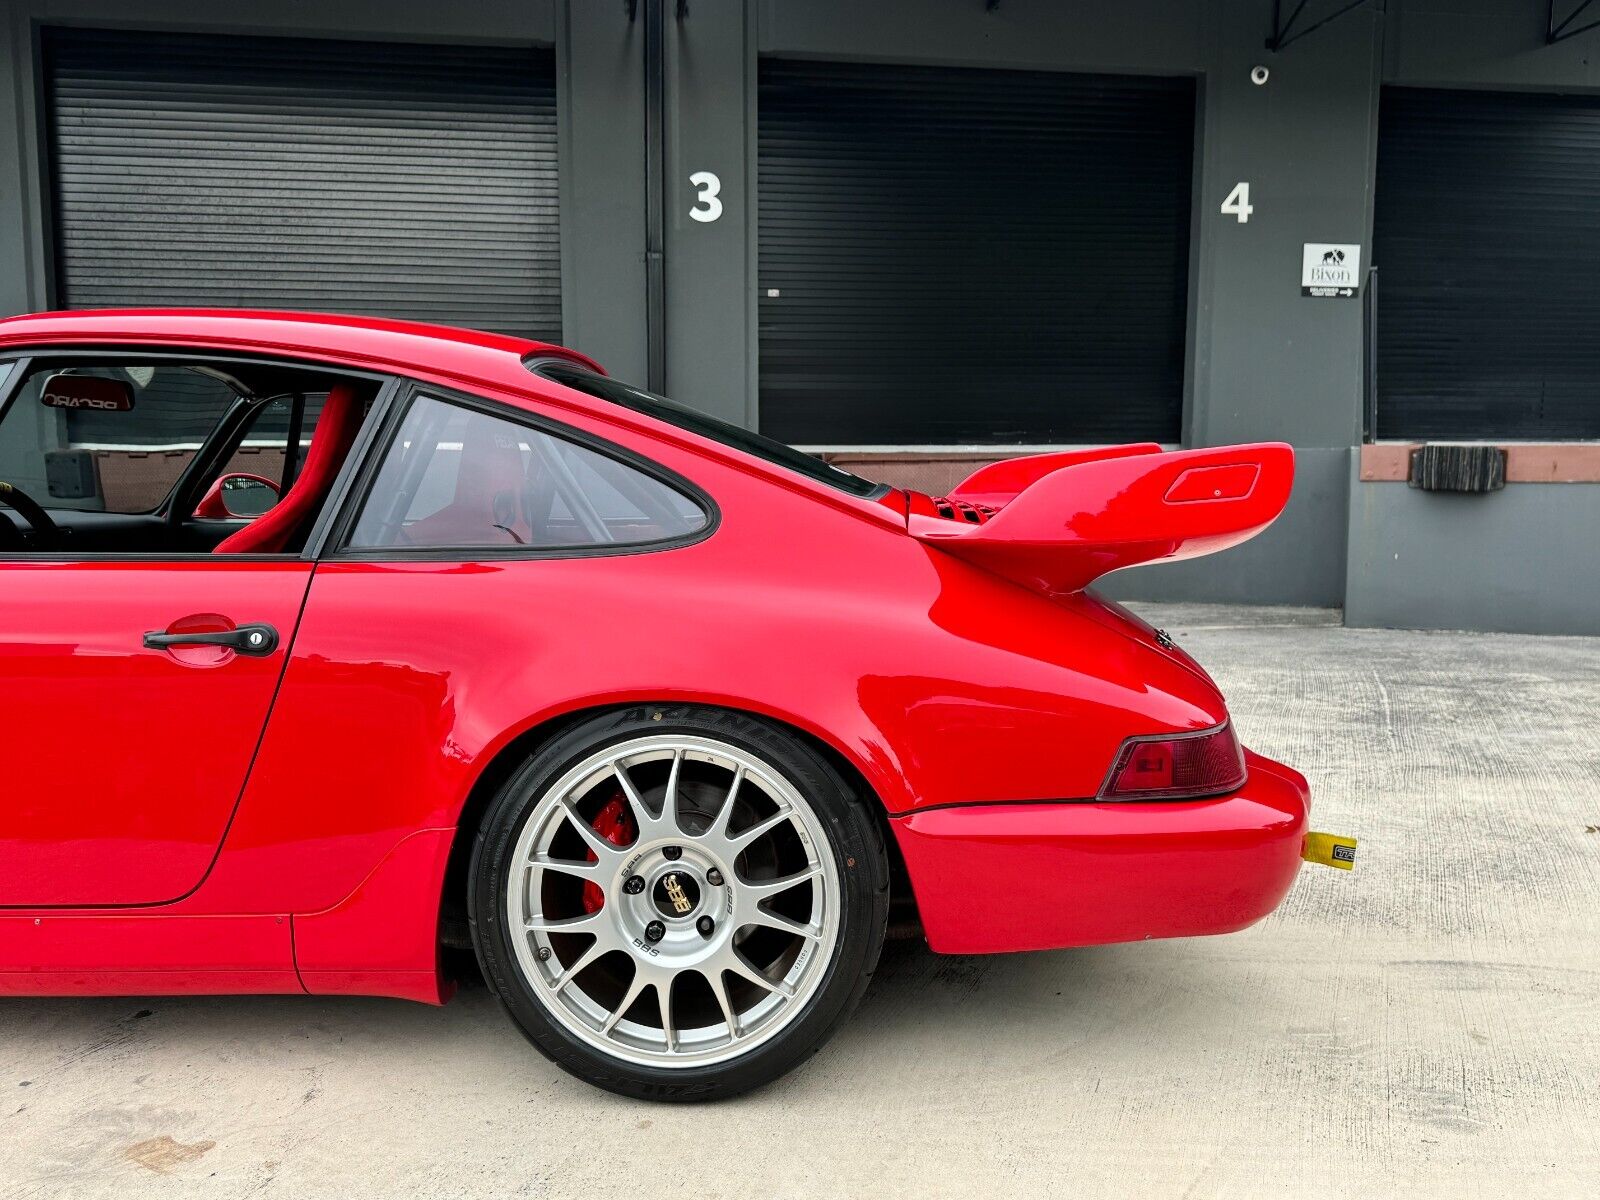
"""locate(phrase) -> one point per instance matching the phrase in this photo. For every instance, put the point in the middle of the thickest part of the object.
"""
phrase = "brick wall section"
(135, 481)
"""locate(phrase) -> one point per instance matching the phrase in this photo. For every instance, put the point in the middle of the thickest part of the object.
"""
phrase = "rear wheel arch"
(519, 748)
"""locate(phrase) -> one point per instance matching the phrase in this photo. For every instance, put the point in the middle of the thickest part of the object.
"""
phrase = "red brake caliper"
(615, 824)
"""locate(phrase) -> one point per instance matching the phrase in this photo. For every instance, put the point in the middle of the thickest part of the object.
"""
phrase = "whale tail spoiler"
(1057, 522)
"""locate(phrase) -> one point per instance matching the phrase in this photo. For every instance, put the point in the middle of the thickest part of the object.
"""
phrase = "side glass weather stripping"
(769, 450)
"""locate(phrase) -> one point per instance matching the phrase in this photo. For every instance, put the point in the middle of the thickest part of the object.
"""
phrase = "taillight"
(1183, 766)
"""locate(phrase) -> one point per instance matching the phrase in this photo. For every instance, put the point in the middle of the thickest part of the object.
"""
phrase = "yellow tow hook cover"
(1331, 850)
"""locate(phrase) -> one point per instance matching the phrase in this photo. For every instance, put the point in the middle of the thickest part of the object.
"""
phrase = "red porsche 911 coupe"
(332, 643)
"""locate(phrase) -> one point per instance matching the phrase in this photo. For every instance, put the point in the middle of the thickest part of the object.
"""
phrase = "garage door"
(1487, 251)
(954, 256)
(401, 180)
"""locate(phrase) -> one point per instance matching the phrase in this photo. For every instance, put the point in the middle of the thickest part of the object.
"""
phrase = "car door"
(134, 689)
(124, 758)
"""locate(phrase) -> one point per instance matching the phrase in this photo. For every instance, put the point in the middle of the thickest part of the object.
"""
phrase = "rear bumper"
(996, 877)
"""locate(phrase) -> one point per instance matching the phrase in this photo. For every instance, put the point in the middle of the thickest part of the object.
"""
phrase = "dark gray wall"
(711, 266)
(600, 65)
(1524, 557)
(1263, 362)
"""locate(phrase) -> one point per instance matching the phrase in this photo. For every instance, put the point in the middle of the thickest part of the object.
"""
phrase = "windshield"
(662, 409)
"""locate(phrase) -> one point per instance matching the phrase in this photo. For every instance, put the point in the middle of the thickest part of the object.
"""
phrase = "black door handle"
(255, 640)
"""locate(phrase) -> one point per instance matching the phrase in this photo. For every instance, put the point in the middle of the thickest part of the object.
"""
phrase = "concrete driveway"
(1428, 1026)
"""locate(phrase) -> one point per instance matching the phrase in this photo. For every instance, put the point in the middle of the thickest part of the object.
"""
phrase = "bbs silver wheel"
(673, 901)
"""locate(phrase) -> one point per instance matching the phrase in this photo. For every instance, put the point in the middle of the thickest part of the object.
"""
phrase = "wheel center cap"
(676, 895)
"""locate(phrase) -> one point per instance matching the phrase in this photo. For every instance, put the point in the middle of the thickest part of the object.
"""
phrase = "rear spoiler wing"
(1057, 522)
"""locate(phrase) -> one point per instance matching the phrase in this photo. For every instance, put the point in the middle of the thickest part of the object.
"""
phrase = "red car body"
(201, 822)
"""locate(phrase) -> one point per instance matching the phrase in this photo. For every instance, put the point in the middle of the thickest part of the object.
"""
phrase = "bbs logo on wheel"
(675, 893)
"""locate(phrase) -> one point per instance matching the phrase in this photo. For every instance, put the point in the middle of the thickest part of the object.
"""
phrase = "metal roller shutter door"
(393, 179)
(1486, 241)
(953, 256)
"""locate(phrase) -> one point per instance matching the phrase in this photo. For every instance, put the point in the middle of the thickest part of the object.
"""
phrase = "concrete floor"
(1428, 1026)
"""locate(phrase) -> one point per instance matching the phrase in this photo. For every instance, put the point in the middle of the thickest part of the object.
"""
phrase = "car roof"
(373, 342)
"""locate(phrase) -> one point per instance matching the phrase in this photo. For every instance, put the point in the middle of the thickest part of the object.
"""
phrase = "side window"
(107, 438)
(457, 477)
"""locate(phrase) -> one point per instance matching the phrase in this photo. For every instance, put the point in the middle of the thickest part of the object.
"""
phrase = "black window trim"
(542, 364)
(26, 358)
(337, 548)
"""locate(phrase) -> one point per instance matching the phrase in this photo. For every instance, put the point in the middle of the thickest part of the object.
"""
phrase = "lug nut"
(635, 885)
(714, 877)
(706, 926)
(674, 853)
(654, 931)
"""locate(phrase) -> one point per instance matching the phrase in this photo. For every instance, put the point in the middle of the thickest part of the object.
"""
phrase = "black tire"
(855, 840)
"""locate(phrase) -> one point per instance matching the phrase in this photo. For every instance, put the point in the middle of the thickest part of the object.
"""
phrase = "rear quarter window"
(459, 477)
